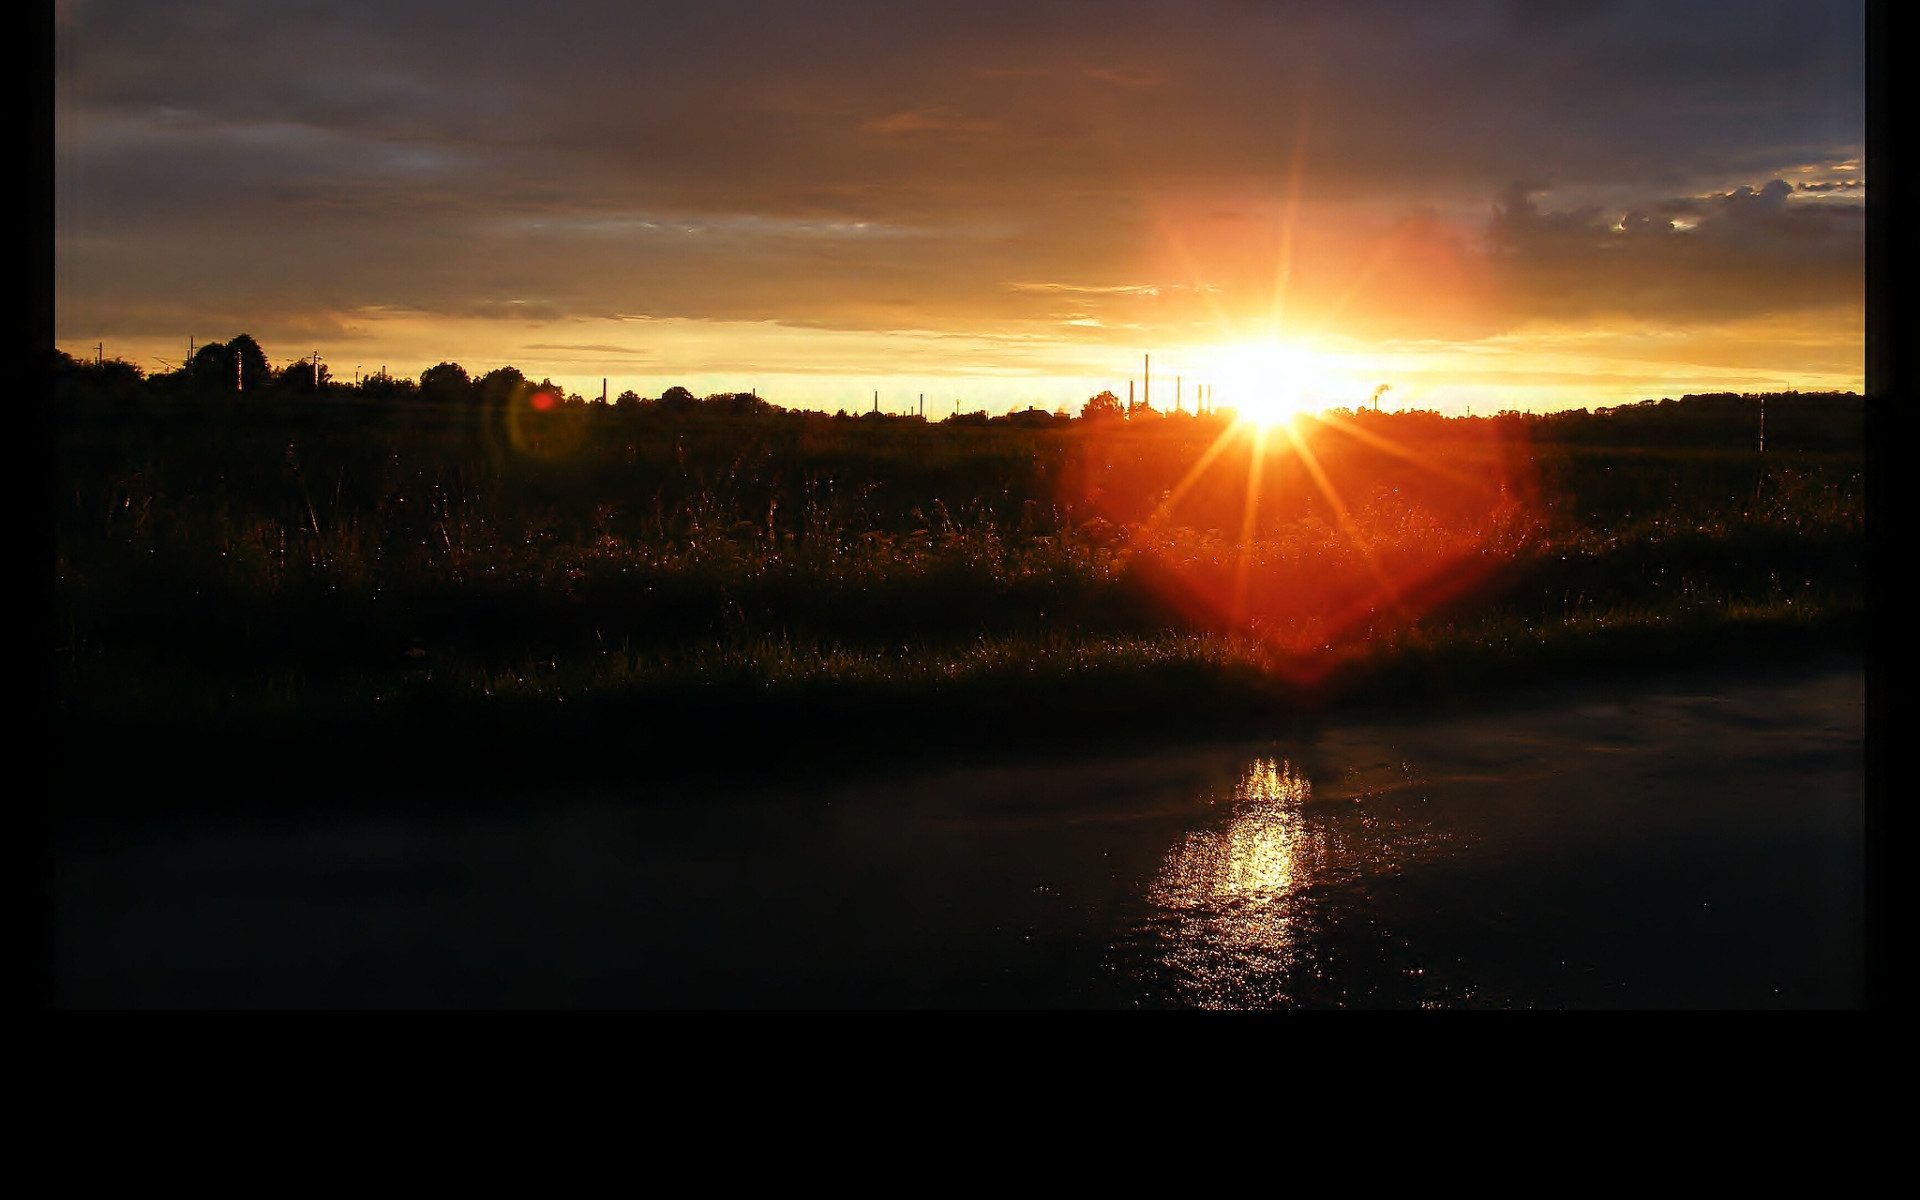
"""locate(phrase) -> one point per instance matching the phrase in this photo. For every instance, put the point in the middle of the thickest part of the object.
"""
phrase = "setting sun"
(1271, 381)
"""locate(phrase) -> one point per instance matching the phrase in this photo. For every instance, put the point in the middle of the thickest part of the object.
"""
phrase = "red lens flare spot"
(543, 401)
(1323, 539)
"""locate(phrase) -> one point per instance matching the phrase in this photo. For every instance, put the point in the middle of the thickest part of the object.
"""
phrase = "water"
(1692, 843)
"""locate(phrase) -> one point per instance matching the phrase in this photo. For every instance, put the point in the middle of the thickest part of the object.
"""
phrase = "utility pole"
(316, 370)
(99, 353)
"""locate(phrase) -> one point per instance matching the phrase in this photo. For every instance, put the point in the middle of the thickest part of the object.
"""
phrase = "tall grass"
(347, 559)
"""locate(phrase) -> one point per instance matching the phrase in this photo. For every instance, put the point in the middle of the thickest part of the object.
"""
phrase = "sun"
(1272, 381)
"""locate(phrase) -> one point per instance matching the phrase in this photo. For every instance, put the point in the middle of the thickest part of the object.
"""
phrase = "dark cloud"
(873, 165)
(1554, 16)
(1739, 253)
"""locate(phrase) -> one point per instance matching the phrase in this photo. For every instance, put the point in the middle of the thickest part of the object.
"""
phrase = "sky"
(1490, 203)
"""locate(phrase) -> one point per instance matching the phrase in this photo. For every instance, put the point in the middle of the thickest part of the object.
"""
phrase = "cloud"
(871, 166)
(1127, 77)
(590, 347)
(1739, 253)
(928, 121)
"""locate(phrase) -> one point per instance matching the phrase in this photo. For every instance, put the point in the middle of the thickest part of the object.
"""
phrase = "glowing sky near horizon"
(1502, 204)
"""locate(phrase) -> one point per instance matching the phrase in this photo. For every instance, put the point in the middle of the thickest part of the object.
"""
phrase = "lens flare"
(538, 425)
(1322, 537)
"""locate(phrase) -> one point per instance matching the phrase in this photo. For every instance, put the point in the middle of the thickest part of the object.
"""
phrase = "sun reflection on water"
(1261, 855)
(1226, 900)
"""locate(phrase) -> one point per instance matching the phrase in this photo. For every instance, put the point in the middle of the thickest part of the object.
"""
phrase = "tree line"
(238, 371)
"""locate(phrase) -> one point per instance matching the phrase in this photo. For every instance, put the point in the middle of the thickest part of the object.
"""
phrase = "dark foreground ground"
(392, 699)
(352, 592)
(350, 571)
(1690, 839)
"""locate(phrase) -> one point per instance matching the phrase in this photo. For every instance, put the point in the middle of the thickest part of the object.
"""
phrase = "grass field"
(391, 564)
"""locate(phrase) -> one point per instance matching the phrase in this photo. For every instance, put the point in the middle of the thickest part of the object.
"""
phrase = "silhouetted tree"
(446, 382)
(497, 386)
(738, 404)
(255, 371)
(211, 366)
(214, 365)
(677, 400)
(386, 387)
(1104, 406)
(83, 379)
(299, 378)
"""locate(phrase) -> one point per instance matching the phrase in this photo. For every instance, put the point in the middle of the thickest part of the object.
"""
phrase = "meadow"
(512, 573)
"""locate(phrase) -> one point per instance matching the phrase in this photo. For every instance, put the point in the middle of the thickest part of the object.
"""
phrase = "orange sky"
(1504, 205)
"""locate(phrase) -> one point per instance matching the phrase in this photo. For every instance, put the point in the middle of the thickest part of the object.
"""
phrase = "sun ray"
(1220, 445)
(1197, 278)
(1289, 221)
(1389, 446)
(1248, 522)
(1340, 515)
(1360, 280)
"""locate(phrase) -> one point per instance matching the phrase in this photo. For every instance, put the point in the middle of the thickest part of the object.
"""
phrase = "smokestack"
(1146, 381)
